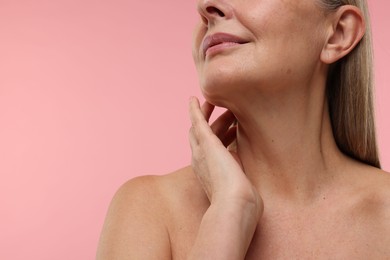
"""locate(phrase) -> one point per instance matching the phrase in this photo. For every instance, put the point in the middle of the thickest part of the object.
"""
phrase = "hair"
(350, 94)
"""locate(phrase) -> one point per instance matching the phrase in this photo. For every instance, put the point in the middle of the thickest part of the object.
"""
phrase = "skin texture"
(285, 191)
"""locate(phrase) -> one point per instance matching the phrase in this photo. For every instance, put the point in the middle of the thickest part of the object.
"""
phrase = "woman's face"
(254, 45)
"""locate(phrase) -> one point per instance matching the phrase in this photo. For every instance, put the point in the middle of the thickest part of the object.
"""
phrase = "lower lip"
(220, 47)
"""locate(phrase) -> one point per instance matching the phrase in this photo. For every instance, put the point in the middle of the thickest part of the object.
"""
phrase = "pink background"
(93, 93)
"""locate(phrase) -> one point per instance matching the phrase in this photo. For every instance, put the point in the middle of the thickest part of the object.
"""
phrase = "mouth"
(219, 41)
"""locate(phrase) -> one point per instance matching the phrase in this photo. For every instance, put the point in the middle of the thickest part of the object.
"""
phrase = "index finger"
(197, 118)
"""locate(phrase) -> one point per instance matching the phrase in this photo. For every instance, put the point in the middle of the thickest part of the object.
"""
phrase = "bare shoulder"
(373, 209)
(376, 183)
(131, 229)
(167, 191)
(139, 216)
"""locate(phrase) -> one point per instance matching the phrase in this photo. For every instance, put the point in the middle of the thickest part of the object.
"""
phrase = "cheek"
(197, 37)
(290, 37)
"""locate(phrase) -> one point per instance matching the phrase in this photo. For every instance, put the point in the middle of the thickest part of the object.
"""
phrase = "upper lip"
(219, 38)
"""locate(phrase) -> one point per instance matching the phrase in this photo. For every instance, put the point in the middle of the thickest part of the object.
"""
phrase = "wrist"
(250, 210)
(249, 203)
(227, 229)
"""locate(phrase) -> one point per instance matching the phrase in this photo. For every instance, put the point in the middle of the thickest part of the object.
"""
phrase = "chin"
(223, 86)
(220, 91)
(219, 101)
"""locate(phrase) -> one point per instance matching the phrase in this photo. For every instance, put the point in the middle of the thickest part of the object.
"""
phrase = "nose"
(213, 10)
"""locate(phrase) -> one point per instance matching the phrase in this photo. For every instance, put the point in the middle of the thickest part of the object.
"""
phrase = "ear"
(348, 28)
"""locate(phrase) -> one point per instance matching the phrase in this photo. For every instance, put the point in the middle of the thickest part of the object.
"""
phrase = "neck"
(286, 144)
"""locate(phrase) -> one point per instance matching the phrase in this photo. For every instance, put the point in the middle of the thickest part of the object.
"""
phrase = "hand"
(220, 171)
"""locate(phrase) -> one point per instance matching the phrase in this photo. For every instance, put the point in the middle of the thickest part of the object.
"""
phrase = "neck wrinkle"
(290, 152)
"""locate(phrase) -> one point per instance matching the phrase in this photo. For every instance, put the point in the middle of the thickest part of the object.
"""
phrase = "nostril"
(214, 10)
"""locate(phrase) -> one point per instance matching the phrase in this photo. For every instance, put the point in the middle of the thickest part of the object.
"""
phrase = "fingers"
(196, 115)
(230, 136)
(207, 110)
(201, 130)
(223, 123)
(200, 113)
(199, 122)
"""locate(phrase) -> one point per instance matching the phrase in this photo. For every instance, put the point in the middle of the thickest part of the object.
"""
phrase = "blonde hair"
(350, 94)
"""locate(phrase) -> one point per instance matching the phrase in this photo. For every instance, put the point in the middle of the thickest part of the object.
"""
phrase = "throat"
(295, 166)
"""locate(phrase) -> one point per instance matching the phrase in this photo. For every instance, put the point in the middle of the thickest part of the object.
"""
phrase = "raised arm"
(229, 223)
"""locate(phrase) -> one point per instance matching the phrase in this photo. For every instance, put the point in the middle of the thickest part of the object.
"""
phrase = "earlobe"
(347, 30)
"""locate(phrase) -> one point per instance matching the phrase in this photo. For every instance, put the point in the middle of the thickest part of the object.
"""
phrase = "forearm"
(226, 232)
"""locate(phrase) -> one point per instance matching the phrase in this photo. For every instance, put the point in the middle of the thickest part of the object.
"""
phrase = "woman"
(303, 178)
